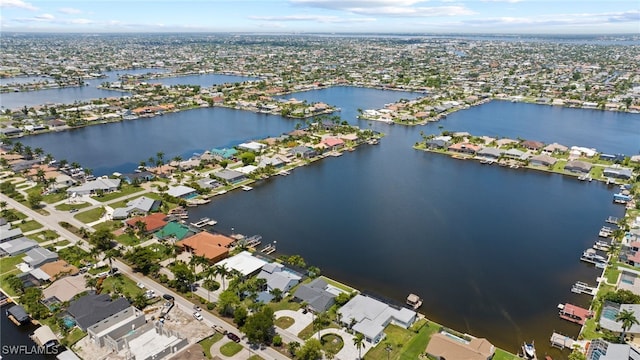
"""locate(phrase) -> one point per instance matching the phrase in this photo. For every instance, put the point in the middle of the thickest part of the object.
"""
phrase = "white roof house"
(244, 262)
(372, 316)
(90, 187)
(248, 169)
(17, 246)
(142, 204)
(252, 146)
(180, 191)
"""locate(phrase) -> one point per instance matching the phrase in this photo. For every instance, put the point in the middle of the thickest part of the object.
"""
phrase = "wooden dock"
(612, 220)
(583, 288)
(573, 313)
(204, 222)
(269, 249)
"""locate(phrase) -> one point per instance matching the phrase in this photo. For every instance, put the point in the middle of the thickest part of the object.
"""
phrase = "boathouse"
(44, 337)
(18, 313)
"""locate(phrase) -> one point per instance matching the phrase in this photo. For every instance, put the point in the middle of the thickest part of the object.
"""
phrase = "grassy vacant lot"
(90, 215)
(124, 191)
(121, 284)
(67, 207)
(30, 225)
(75, 255)
(44, 235)
(206, 343)
(111, 225)
(8, 264)
(231, 348)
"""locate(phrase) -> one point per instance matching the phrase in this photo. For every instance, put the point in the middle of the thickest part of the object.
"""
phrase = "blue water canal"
(492, 250)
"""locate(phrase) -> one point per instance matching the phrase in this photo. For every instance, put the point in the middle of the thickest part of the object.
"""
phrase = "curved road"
(51, 222)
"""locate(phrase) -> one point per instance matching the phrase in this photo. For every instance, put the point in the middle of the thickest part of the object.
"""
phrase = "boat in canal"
(529, 351)
(414, 301)
(590, 255)
(583, 288)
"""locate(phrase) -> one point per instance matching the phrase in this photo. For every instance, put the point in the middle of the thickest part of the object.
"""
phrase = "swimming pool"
(609, 313)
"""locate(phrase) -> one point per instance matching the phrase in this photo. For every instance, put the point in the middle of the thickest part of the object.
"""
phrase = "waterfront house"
(65, 289)
(437, 143)
(247, 169)
(608, 317)
(304, 152)
(207, 183)
(612, 157)
(93, 308)
(174, 230)
(600, 349)
(141, 206)
(577, 166)
(152, 223)
(213, 247)
(142, 176)
(333, 143)
(182, 192)
(555, 148)
(465, 148)
(372, 316)
(245, 263)
(505, 142)
(224, 154)
(532, 145)
(516, 154)
(110, 329)
(543, 160)
(444, 345)
(91, 187)
(490, 153)
(316, 295)
(278, 277)
(578, 151)
(231, 176)
(252, 146)
(629, 280)
(618, 173)
(275, 161)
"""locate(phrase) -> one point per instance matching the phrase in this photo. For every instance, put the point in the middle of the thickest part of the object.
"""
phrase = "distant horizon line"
(42, 32)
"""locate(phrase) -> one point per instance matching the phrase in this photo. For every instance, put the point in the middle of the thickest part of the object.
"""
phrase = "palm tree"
(628, 319)
(160, 156)
(223, 271)
(277, 294)
(209, 273)
(358, 341)
(91, 282)
(111, 254)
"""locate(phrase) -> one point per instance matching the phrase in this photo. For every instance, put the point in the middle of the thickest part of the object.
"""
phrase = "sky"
(326, 16)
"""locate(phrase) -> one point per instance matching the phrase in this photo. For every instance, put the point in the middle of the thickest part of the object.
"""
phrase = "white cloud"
(45, 17)
(391, 8)
(316, 18)
(507, 1)
(17, 4)
(80, 21)
(70, 11)
(581, 19)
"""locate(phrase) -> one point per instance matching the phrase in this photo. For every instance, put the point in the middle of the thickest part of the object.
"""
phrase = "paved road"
(51, 222)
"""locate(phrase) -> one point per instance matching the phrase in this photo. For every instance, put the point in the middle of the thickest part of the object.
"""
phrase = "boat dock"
(573, 313)
(204, 222)
(590, 256)
(602, 246)
(253, 241)
(561, 341)
(612, 220)
(269, 249)
(583, 288)
(414, 301)
(605, 232)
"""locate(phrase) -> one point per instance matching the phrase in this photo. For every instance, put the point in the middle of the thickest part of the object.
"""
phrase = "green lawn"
(307, 332)
(231, 348)
(128, 240)
(111, 225)
(13, 214)
(62, 243)
(338, 285)
(503, 355)
(67, 207)
(123, 285)
(74, 336)
(124, 191)
(3, 281)
(404, 344)
(90, 215)
(284, 322)
(332, 342)
(255, 357)
(285, 304)
(206, 343)
(54, 197)
(29, 225)
(44, 235)
(9, 263)
(75, 255)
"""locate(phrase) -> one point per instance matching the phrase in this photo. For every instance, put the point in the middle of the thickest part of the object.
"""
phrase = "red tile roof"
(211, 246)
(331, 142)
(153, 222)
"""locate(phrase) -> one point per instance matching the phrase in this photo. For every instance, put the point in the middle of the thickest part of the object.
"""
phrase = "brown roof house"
(447, 346)
(213, 247)
(578, 166)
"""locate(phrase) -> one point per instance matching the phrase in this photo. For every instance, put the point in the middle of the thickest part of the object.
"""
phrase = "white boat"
(246, 188)
(529, 351)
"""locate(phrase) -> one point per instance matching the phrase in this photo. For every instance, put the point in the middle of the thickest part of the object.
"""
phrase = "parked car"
(73, 210)
(219, 329)
(140, 285)
(197, 308)
(233, 337)
(198, 316)
(168, 297)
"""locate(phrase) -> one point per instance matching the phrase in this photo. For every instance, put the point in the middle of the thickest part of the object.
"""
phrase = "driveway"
(301, 320)
(349, 350)
(243, 354)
